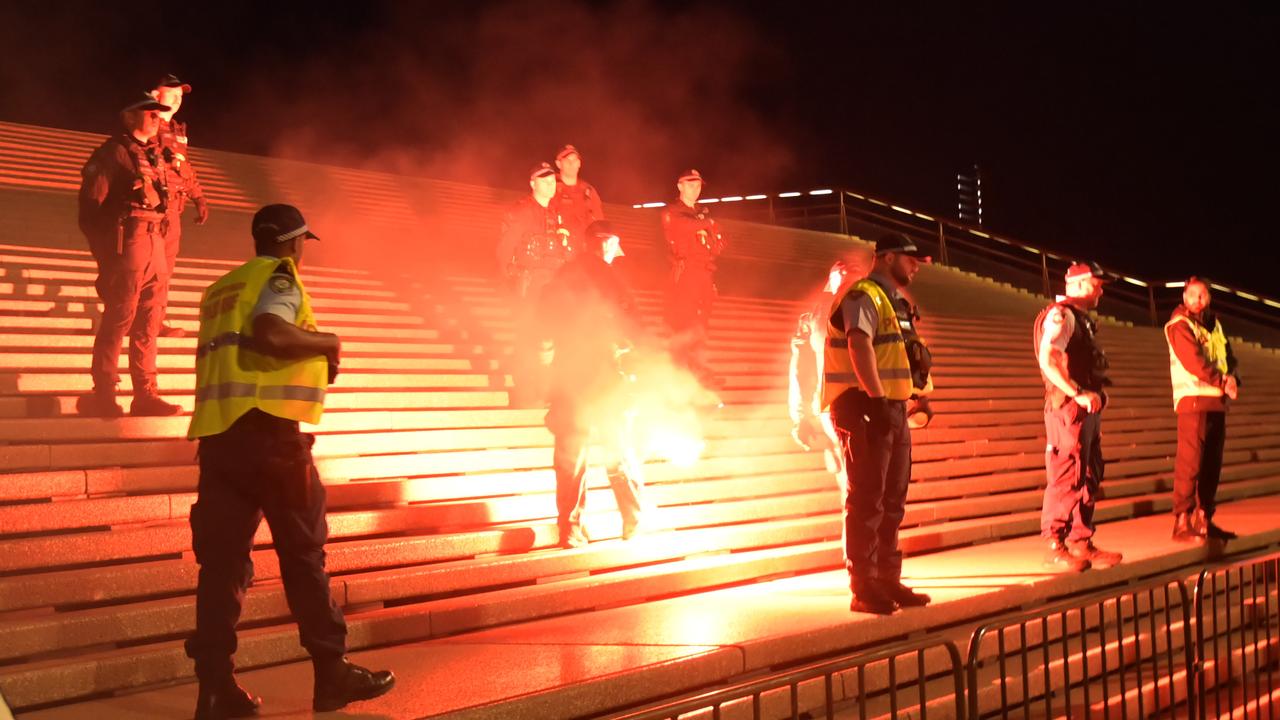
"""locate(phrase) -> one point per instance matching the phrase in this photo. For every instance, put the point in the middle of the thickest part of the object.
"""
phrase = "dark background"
(1134, 133)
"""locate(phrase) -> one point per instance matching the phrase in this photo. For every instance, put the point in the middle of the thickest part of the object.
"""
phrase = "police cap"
(280, 223)
(172, 81)
(541, 170)
(895, 242)
(144, 102)
(690, 174)
(566, 151)
(1081, 270)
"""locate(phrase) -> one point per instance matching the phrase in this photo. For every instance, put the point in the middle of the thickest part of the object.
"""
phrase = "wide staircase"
(441, 498)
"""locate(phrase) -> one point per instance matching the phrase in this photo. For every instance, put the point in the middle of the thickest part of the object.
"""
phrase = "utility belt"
(138, 222)
(549, 247)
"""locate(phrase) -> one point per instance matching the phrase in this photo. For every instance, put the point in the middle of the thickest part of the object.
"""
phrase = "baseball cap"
(541, 170)
(145, 102)
(279, 223)
(1082, 270)
(172, 80)
(690, 174)
(896, 242)
(566, 151)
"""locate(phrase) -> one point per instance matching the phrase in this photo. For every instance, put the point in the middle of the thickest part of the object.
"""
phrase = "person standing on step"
(594, 322)
(811, 428)
(695, 242)
(1203, 371)
(533, 245)
(577, 199)
(867, 381)
(122, 209)
(1074, 369)
(183, 183)
(262, 367)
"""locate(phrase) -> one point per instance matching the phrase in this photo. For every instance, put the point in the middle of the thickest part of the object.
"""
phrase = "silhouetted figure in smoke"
(1202, 369)
(870, 371)
(578, 201)
(1074, 369)
(183, 183)
(534, 244)
(695, 241)
(262, 368)
(122, 213)
(593, 321)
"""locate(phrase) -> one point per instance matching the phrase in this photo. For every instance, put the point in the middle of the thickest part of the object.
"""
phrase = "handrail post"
(942, 244)
(1044, 274)
(844, 218)
(1151, 303)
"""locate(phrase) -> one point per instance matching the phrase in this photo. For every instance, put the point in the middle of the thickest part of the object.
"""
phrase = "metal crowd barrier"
(1237, 632)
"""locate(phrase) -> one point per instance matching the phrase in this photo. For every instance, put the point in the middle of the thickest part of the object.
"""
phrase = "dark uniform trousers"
(531, 376)
(1197, 466)
(877, 463)
(134, 286)
(689, 314)
(259, 467)
(572, 443)
(172, 240)
(1074, 470)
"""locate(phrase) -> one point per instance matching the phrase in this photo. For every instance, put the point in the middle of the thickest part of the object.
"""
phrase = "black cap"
(896, 242)
(279, 223)
(566, 151)
(542, 169)
(172, 80)
(690, 174)
(144, 102)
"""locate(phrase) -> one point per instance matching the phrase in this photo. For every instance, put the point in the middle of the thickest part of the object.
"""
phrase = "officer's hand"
(877, 413)
(334, 352)
(202, 210)
(1231, 387)
(1089, 400)
(333, 372)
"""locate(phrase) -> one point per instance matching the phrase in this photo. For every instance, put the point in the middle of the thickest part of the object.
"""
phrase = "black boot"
(869, 597)
(1213, 532)
(100, 403)
(339, 682)
(1182, 531)
(225, 699)
(904, 596)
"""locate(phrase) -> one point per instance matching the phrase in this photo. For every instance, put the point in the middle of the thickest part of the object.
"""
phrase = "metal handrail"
(715, 699)
(1246, 574)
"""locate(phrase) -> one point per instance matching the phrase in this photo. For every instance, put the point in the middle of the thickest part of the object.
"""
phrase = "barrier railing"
(1237, 631)
(891, 682)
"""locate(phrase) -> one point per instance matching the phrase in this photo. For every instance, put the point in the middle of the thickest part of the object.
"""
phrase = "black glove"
(877, 412)
(333, 371)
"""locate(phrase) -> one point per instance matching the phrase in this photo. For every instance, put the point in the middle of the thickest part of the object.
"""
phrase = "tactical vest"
(173, 148)
(231, 377)
(1086, 362)
(151, 192)
(889, 343)
(1213, 343)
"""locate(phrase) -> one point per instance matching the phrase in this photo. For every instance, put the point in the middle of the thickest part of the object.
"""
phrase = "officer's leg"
(299, 532)
(1215, 438)
(1090, 483)
(172, 239)
(223, 522)
(1187, 461)
(897, 480)
(1063, 469)
(625, 475)
(118, 287)
(153, 296)
(866, 451)
(570, 461)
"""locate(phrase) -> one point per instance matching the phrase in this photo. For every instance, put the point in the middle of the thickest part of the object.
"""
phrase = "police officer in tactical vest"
(1203, 371)
(1074, 369)
(875, 362)
(262, 367)
(122, 210)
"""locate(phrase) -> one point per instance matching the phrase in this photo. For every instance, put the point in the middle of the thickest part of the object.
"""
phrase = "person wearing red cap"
(578, 200)
(592, 319)
(183, 183)
(869, 375)
(122, 206)
(1202, 369)
(1074, 369)
(533, 245)
(695, 242)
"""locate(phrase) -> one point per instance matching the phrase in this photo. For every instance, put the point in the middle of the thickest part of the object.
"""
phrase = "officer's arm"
(95, 186)
(275, 336)
(1053, 362)
(864, 363)
(677, 238)
(1191, 354)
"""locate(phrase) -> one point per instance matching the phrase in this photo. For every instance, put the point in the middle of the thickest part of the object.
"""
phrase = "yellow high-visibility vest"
(231, 377)
(1214, 344)
(889, 344)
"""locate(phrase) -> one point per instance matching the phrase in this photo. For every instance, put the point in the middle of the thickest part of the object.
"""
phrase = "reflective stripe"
(884, 373)
(882, 339)
(267, 392)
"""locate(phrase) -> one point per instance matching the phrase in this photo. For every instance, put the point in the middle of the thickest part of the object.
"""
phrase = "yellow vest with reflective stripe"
(890, 347)
(232, 378)
(1213, 343)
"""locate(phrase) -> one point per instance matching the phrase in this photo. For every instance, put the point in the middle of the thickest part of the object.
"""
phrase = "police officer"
(1203, 371)
(183, 183)
(261, 368)
(1074, 369)
(577, 199)
(868, 378)
(533, 245)
(594, 320)
(695, 241)
(122, 210)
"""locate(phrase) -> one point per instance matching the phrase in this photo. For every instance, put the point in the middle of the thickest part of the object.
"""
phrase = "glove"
(877, 412)
(333, 371)
(202, 210)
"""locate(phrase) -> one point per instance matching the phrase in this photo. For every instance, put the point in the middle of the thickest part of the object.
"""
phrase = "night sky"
(1131, 132)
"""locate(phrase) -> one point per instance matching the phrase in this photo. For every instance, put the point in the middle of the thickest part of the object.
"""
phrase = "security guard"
(594, 322)
(577, 199)
(1203, 371)
(533, 245)
(868, 378)
(261, 368)
(122, 210)
(1074, 369)
(183, 183)
(695, 242)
